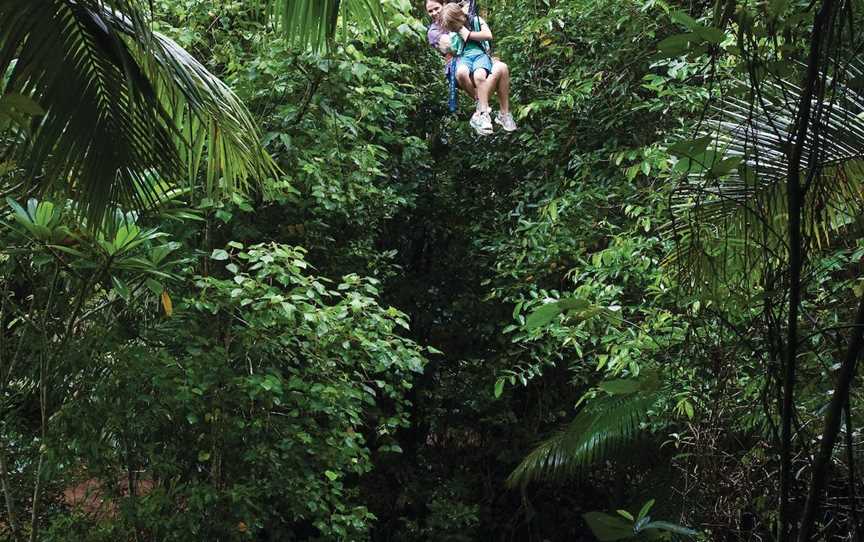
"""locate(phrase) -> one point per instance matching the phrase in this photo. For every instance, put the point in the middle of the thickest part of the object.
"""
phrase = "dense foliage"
(258, 284)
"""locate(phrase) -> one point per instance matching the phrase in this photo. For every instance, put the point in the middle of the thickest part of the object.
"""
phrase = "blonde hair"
(453, 18)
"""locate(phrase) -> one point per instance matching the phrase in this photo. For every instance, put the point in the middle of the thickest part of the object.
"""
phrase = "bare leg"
(469, 89)
(481, 80)
(463, 77)
(500, 81)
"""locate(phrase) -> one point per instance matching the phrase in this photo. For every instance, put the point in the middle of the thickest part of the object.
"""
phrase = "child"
(474, 63)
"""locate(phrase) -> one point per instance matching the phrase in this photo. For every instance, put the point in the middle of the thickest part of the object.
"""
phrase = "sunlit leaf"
(167, 304)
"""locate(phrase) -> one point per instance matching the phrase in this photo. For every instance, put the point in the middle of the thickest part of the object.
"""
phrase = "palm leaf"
(602, 427)
(729, 213)
(212, 121)
(313, 23)
(121, 104)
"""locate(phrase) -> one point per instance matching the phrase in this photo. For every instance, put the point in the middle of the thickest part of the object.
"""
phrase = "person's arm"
(438, 38)
(433, 35)
(483, 35)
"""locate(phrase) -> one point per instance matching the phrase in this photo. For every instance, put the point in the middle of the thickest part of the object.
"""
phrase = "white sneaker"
(506, 121)
(481, 122)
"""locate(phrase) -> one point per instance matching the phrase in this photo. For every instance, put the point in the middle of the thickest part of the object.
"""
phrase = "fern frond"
(603, 427)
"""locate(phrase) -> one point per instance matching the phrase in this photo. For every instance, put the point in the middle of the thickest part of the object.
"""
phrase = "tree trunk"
(850, 459)
(11, 516)
(37, 495)
(832, 426)
(795, 199)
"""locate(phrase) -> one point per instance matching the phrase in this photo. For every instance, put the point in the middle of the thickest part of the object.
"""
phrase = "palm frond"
(212, 121)
(729, 214)
(313, 23)
(121, 103)
(603, 427)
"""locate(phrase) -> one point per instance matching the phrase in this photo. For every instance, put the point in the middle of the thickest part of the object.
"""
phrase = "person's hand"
(444, 43)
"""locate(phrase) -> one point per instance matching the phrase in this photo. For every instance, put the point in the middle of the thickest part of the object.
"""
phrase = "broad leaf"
(546, 313)
(608, 528)
(620, 387)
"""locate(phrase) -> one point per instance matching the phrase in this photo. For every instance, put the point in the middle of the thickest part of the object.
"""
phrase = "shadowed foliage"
(730, 215)
(604, 427)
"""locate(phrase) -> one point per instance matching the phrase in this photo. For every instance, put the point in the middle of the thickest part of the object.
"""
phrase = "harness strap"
(452, 98)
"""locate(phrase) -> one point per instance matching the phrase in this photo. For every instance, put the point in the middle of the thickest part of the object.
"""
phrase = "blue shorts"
(476, 62)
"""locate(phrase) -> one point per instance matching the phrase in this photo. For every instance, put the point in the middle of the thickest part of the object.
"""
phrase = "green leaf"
(121, 288)
(608, 528)
(645, 509)
(499, 387)
(777, 7)
(625, 514)
(546, 313)
(705, 33)
(44, 213)
(573, 303)
(21, 103)
(684, 19)
(219, 254)
(690, 147)
(697, 163)
(68, 250)
(621, 386)
(154, 286)
(711, 35)
(20, 212)
(677, 44)
(670, 527)
(725, 166)
(542, 316)
(332, 476)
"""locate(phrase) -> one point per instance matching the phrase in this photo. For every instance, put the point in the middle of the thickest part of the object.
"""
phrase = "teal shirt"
(472, 48)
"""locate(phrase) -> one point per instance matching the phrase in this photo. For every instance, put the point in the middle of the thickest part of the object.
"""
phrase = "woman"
(480, 84)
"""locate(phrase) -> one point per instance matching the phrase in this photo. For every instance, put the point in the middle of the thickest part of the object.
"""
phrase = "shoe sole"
(482, 131)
